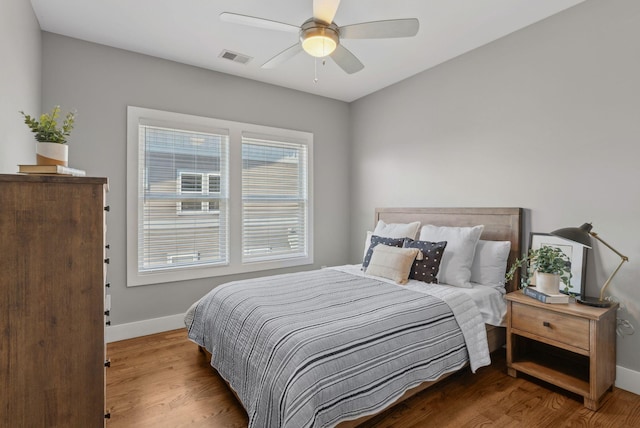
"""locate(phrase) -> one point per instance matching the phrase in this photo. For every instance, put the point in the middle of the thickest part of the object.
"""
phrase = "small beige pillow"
(392, 262)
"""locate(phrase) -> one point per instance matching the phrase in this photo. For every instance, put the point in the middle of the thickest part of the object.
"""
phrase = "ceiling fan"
(321, 37)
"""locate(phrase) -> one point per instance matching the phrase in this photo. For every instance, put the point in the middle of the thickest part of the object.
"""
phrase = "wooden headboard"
(500, 224)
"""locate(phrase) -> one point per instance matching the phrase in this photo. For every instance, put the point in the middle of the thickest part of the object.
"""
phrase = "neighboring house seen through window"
(208, 197)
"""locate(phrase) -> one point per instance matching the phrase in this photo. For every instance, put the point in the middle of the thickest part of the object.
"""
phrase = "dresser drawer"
(556, 326)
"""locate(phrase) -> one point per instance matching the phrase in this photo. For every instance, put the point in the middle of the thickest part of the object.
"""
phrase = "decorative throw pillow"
(397, 230)
(426, 269)
(490, 263)
(455, 267)
(375, 240)
(392, 262)
(391, 230)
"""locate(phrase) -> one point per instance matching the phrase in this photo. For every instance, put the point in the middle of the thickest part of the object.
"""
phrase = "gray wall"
(100, 82)
(20, 50)
(547, 118)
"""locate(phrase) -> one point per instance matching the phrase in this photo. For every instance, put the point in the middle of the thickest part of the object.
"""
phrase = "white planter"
(52, 154)
(548, 283)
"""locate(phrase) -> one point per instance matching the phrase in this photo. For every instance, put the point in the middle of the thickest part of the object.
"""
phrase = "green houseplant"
(546, 264)
(51, 137)
(46, 128)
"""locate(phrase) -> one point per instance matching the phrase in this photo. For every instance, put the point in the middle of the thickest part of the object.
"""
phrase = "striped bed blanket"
(312, 349)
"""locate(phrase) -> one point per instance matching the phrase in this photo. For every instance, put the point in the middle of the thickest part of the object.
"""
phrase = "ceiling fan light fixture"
(319, 39)
(320, 36)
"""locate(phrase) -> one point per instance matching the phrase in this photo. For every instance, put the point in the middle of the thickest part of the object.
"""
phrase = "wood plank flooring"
(163, 380)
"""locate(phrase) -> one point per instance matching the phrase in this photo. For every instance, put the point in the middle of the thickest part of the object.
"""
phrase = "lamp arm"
(595, 235)
(623, 257)
(606, 284)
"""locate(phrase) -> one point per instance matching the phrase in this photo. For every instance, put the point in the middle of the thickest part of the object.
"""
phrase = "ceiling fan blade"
(325, 10)
(283, 56)
(346, 60)
(258, 22)
(381, 29)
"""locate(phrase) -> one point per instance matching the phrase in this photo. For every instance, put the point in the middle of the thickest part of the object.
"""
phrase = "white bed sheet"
(489, 300)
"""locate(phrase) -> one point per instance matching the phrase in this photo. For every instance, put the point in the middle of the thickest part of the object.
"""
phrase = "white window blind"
(274, 199)
(178, 169)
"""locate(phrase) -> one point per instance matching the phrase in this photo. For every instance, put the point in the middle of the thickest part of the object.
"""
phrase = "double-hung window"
(274, 198)
(209, 197)
(175, 228)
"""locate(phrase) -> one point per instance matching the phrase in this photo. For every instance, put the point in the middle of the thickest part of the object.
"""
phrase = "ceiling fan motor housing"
(318, 38)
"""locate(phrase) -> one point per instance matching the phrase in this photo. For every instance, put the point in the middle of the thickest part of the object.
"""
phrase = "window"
(190, 183)
(208, 197)
(213, 184)
(199, 184)
(166, 241)
(274, 198)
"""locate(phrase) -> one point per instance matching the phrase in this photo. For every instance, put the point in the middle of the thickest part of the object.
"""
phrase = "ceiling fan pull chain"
(315, 70)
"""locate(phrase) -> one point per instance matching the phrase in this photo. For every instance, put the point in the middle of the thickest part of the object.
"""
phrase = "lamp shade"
(319, 46)
(580, 234)
(319, 39)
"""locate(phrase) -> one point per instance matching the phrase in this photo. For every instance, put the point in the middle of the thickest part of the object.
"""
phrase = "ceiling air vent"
(235, 57)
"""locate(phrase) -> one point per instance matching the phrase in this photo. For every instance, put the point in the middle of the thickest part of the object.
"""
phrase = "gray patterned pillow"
(375, 240)
(426, 269)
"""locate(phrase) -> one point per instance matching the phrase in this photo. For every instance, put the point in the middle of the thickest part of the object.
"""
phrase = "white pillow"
(392, 262)
(490, 263)
(397, 230)
(391, 230)
(455, 268)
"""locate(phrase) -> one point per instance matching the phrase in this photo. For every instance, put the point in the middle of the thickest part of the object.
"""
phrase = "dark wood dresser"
(52, 294)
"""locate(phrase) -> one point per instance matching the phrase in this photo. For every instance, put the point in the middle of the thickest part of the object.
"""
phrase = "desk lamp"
(582, 235)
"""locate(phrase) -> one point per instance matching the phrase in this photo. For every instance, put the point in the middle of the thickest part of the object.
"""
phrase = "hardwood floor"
(163, 380)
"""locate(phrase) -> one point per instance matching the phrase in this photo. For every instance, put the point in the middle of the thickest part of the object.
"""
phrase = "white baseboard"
(628, 379)
(130, 330)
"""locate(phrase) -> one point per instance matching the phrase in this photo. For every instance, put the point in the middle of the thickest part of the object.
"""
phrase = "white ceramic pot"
(52, 154)
(548, 283)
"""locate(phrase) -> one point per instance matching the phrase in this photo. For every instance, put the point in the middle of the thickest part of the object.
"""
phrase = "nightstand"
(572, 346)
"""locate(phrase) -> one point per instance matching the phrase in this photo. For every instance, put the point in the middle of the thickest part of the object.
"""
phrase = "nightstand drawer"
(562, 328)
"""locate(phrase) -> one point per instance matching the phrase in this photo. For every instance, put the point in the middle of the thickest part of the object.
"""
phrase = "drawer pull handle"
(546, 323)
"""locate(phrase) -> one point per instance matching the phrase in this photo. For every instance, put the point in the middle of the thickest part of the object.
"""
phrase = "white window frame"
(264, 250)
(235, 264)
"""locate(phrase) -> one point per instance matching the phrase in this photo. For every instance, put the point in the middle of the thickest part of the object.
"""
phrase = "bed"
(334, 347)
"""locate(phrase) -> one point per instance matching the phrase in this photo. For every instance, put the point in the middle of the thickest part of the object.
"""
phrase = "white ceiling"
(190, 32)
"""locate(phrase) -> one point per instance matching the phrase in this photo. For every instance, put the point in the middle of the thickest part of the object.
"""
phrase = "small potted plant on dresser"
(549, 265)
(51, 146)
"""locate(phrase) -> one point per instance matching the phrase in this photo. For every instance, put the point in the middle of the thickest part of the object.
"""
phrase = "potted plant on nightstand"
(51, 146)
(549, 265)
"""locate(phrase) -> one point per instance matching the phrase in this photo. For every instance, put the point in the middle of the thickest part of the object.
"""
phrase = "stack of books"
(544, 297)
(51, 170)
